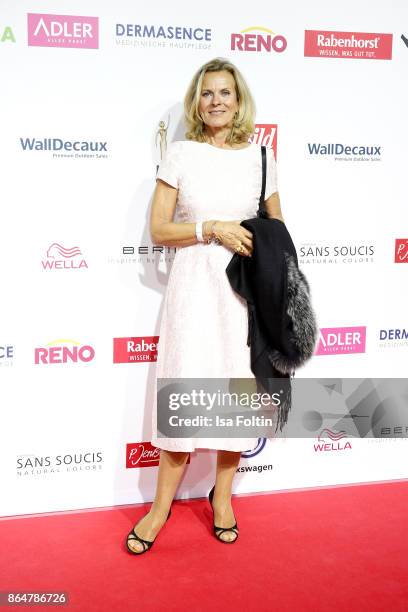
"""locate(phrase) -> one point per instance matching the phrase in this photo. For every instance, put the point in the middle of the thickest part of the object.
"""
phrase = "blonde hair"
(244, 120)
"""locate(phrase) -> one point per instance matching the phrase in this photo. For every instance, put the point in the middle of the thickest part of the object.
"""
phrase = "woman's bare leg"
(227, 463)
(171, 468)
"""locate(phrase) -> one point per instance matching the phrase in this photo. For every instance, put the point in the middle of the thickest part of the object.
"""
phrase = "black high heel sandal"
(219, 530)
(147, 544)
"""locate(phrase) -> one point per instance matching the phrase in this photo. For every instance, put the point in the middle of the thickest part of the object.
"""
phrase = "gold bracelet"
(208, 239)
(205, 225)
(213, 238)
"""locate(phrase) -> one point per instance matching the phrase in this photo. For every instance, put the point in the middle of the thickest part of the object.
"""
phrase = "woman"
(205, 187)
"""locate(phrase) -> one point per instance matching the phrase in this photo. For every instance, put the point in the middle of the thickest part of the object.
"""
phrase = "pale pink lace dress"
(204, 325)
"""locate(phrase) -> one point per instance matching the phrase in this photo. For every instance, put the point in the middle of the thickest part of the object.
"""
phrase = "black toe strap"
(133, 536)
(141, 539)
(218, 531)
(226, 528)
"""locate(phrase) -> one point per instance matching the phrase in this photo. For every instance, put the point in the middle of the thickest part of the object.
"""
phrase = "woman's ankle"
(159, 511)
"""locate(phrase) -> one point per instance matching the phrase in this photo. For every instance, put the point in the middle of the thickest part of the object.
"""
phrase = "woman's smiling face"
(218, 100)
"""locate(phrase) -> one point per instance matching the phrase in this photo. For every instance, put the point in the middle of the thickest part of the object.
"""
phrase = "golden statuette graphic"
(162, 135)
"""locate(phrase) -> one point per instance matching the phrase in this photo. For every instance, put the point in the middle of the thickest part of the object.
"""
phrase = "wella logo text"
(336, 444)
(60, 258)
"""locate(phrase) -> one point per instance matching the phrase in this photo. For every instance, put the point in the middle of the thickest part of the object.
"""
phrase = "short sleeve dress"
(204, 323)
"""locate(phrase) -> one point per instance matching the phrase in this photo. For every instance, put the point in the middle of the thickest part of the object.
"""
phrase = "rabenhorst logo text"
(348, 45)
(140, 349)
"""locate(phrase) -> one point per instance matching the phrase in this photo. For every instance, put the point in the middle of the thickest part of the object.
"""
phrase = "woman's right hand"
(234, 236)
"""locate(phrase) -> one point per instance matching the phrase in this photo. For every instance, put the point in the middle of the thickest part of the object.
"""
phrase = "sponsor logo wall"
(90, 103)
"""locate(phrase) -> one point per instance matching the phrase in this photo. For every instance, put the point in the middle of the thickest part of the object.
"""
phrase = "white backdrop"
(77, 265)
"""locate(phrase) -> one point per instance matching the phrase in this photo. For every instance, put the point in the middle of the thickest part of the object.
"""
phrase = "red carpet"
(334, 549)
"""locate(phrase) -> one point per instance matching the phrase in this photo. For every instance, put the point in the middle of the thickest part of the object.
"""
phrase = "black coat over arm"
(282, 328)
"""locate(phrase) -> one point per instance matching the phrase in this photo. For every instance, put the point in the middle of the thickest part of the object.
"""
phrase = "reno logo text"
(259, 40)
(63, 351)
